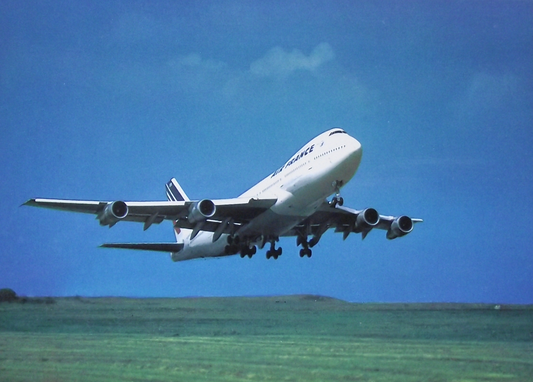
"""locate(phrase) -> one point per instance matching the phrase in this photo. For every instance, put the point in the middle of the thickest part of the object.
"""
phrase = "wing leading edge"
(188, 213)
(348, 220)
(225, 214)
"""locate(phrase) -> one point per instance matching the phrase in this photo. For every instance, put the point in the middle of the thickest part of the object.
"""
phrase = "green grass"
(255, 339)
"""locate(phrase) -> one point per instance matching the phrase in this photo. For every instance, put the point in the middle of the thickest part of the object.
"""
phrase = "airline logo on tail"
(175, 193)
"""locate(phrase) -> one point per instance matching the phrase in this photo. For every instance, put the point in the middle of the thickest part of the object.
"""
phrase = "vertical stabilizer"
(175, 193)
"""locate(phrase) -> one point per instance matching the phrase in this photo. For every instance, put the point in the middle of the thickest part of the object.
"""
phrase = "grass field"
(296, 338)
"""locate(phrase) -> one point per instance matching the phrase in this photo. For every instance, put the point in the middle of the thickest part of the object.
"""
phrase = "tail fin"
(175, 193)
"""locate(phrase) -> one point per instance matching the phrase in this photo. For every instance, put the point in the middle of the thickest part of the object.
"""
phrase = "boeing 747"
(291, 201)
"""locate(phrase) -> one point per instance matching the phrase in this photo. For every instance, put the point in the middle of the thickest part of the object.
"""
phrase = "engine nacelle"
(366, 220)
(400, 226)
(201, 211)
(113, 213)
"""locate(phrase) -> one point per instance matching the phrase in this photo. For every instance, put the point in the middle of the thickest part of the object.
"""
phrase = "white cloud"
(278, 62)
(193, 73)
(211, 82)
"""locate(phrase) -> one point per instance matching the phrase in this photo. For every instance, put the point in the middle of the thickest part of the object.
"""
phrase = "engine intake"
(400, 226)
(201, 211)
(366, 220)
(113, 213)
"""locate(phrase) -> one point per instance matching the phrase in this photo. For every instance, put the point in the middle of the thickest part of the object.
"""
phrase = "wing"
(158, 247)
(348, 220)
(205, 214)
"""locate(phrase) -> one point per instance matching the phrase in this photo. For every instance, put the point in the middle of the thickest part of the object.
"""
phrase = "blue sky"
(108, 100)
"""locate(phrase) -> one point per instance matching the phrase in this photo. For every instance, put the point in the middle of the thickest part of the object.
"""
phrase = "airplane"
(291, 201)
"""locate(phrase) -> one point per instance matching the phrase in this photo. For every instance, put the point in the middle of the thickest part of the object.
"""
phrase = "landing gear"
(233, 240)
(273, 252)
(337, 199)
(314, 241)
(247, 251)
(231, 249)
(305, 251)
(235, 245)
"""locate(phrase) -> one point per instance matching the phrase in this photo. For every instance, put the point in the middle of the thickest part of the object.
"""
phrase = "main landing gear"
(245, 249)
(307, 245)
(273, 252)
(305, 251)
(236, 246)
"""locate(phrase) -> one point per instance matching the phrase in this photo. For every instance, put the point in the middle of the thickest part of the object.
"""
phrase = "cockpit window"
(337, 132)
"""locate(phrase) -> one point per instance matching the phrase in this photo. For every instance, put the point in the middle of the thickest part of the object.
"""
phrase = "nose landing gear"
(337, 199)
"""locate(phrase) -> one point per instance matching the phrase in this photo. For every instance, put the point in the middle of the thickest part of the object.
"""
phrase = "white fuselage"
(317, 170)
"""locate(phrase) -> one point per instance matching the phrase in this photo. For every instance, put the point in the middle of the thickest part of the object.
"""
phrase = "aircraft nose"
(356, 151)
(351, 159)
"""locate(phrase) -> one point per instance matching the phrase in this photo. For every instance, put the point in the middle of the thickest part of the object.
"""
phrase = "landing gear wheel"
(305, 251)
(336, 201)
(247, 251)
(231, 249)
(251, 251)
(275, 253)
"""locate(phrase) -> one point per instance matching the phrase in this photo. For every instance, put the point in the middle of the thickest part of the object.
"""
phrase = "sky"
(107, 100)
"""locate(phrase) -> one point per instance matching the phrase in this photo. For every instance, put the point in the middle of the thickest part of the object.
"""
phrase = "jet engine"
(201, 211)
(400, 226)
(366, 220)
(112, 213)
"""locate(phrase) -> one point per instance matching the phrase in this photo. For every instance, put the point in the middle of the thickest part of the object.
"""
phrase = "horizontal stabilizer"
(159, 247)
